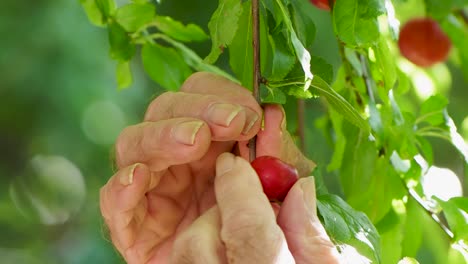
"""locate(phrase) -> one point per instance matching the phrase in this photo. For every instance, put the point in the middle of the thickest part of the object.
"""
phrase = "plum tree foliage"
(380, 145)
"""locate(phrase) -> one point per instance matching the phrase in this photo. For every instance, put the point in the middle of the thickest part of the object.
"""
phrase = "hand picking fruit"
(180, 196)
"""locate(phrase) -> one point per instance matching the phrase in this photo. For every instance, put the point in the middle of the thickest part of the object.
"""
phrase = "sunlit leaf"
(303, 22)
(194, 61)
(283, 57)
(107, 7)
(223, 27)
(391, 235)
(408, 260)
(179, 31)
(124, 75)
(456, 30)
(165, 66)
(93, 12)
(456, 139)
(355, 21)
(413, 229)
(302, 54)
(274, 96)
(133, 16)
(340, 141)
(121, 47)
(432, 110)
(339, 103)
(385, 61)
(348, 226)
(456, 212)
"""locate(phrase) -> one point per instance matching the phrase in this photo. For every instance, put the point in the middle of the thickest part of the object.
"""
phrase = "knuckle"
(159, 106)
(192, 80)
(247, 230)
(121, 146)
(188, 249)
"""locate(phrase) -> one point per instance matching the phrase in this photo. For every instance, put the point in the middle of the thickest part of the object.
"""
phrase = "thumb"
(306, 237)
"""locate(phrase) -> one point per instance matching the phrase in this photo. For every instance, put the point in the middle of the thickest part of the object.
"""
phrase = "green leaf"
(455, 138)
(178, 31)
(426, 149)
(303, 21)
(194, 61)
(413, 228)
(385, 62)
(353, 59)
(322, 68)
(355, 21)
(273, 96)
(456, 212)
(302, 54)
(107, 7)
(408, 260)
(133, 16)
(348, 227)
(124, 75)
(391, 235)
(165, 66)
(440, 9)
(93, 12)
(340, 141)
(339, 103)
(223, 27)
(458, 34)
(240, 50)
(283, 57)
(121, 47)
(432, 110)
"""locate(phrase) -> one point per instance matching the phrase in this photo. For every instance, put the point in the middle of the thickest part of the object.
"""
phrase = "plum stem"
(257, 77)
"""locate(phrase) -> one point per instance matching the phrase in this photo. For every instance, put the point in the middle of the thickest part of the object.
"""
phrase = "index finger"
(249, 228)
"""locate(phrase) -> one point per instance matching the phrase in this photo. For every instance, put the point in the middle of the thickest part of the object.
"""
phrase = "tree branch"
(256, 68)
(370, 86)
(413, 194)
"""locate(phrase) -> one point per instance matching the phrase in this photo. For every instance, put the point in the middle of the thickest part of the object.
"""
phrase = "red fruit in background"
(276, 176)
(423, 42)
(322, 4)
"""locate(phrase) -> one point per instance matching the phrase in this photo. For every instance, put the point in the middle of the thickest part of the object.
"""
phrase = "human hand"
(167, 163)
(242, 226)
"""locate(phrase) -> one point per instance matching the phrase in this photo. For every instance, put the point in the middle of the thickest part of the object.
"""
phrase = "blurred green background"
(60, 113)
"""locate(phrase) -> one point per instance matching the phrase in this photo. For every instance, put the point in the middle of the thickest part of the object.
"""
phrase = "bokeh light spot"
(102, 122)
(442, 183)
(51, 190)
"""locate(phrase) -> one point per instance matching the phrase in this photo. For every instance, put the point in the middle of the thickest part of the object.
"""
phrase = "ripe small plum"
(276, 176)
(423, 42)
(322, 4)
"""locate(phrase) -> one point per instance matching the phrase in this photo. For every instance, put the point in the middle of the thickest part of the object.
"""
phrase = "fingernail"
(283, 121)
(223, 114)
(127, 179)
(308, 191)
(224, 163)
(250, 123)
(186, 132)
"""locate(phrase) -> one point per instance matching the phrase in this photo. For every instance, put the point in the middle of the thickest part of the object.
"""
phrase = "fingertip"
(275, 117)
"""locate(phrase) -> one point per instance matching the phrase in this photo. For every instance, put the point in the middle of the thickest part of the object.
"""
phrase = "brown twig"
(257, 77)
(413, 194)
